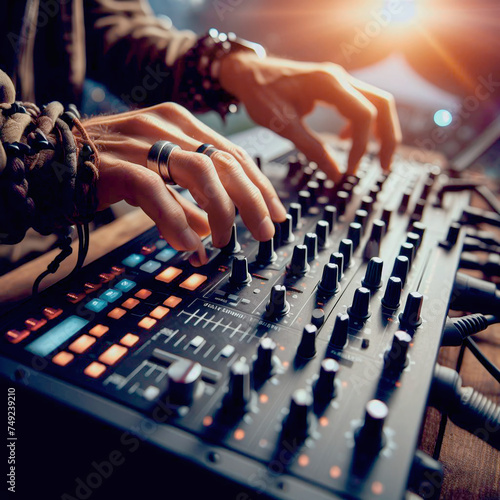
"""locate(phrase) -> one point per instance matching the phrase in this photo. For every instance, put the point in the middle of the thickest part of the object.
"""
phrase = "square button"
(169, 274)
(129, 340)
(143, 294)
(63, 358)
(133, 260)
(150, 266)
(159, 312)
(172, 301)
(110, 295)
(81, 344)
(147, 323)
(99, 330)
(160, 244)
(193, 282)
(96, 305)
(117, 313)
(130, 303)
(125, 285)
(113, 354)
(166, 254)
(95, 369)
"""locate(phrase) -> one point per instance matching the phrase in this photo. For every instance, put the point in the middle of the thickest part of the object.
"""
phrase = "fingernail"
(266, 229)
(190, 239)
(278, 211)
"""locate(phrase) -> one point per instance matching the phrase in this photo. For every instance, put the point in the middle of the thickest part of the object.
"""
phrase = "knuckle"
(203, 165)
(142, 120)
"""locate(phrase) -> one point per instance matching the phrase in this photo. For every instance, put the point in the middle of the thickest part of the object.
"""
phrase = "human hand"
(279, 93)
(229, 177)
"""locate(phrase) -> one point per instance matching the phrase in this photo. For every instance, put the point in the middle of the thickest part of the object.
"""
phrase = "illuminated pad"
(172, 301)
(165, 254)
(63, 358)
(15, 336)
(81, 344)
(113, 354)
(125, 285)
(133, 260)
(193, 282)
(147, 323)
(110, 295)
(96, 305)
(130, 303)
(99, 330)
(159, 312)
(169, 274)
(150, 266)
(143, 294)
(117, 313)
(129, 340)
(95, 369)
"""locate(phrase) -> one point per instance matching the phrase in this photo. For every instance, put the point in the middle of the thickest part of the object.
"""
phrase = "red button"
(74, 298)
(35, 324)
(15, 336)
(148, 249)
(106, 277)
(51, 312)
(91, 287)
(116, 270)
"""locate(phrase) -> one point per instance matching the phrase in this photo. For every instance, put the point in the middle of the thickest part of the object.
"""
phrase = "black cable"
(488, 365)
(465, 407)
(473, 216)
(456, 330)
(474, 295)
(472, 245)
(486, 237)
(489, 266)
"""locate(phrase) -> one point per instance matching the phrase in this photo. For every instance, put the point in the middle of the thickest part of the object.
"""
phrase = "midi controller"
(298, 367)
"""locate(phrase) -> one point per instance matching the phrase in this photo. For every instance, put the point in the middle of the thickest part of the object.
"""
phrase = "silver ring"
(207, 149)
(159, 159)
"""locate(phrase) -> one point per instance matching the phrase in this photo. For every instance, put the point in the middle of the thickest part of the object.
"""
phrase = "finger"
(346, 132)
(141, 187)
(387, 122)
(313, 147)
(197, 173)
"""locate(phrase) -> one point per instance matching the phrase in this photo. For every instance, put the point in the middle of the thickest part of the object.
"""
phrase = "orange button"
(91, 287)
(74, 298)
(147, 249)
(95, 369)
(193, 282)
(81, 344)
(129, 340)
(113, 354)
(117, 313)
(169, 274)
(106, 277)
(130, 303)
(116, 270)
(147, 323)
(143, 294)
(62, 358)
(52, 312)
(99, 330)
(15, 336)
(159, 312)
(172, 301)
(35, 324)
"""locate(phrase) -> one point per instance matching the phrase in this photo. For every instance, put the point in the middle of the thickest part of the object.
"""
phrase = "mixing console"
(299, 366)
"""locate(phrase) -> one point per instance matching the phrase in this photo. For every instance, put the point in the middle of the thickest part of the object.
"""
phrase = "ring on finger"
(207, 149)
(159, 160)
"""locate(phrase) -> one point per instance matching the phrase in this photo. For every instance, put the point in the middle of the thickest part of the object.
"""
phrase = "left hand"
(279, 93)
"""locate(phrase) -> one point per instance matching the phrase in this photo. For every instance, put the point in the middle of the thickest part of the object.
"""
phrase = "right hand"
(229, 177)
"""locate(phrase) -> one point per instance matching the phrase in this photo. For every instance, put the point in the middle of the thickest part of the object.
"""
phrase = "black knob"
(318, 317)
(330, 215)
(305, 201)
(277, 235)
(305, 176)
(353, 179)
(453, 233)
(434, 171)
(313, 188)
(329, 283)
(298, 265)
(233, 246)
(367, 203)
(410, 317)
(418, 210)
(345, 248)
(311, 242)
(338, 259)
(320, 177)
(277, 305)
(386, 217)
(414, 239)
(427, 188)
(373, 275)
(347, 187)
(341, 202)
(338, 337)
(395, 358)
(287, 230)
(374, 192)
(354, 234)
(184, 378)
(372, 247)
(419, 229)
(239, 271)
(266, 253)
(370, 436)
(407, 250)
(239, 389)
(296, 423)
(323, 232)
(361, 216)
(401, 269)
(263, 365)
(294, 166)
(380, 180)
(324, 389)
(392, 295)
(403, 206)
(307, 346)
(360, 309)
(295, 210)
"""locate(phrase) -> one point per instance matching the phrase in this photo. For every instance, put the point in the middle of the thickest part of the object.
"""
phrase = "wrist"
(233, 68)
